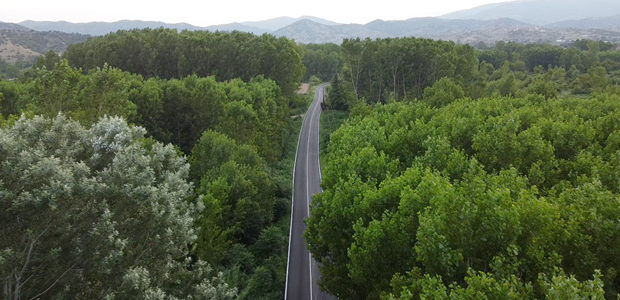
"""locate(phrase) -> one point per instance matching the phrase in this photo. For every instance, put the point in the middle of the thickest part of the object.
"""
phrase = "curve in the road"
(302, 271)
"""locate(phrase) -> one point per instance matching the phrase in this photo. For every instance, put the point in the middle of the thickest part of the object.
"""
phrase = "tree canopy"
(96, 212)
(167, 54)
(474, 191)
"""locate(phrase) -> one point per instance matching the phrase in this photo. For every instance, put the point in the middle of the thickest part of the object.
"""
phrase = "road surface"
(302, 271)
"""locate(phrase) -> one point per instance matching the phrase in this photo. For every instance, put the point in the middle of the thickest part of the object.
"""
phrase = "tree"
(323, 61)
(53, 91)
(12, 93)
(591, 57)
(49, 60)
(237, 191)
(96, 213)
(545, 56)
(442, 93)
(508, 85)
(104, 92)
(571, 57)
(339, 96)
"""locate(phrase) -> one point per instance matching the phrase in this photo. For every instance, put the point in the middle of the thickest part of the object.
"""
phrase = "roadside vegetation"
(201, 207)
(466, 174)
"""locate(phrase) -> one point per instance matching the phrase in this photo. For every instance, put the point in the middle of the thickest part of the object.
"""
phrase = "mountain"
(281, 22)
(102, 28)
(434, 27)
(309, 32)
(13, 26)
(607, 23)
(460, 31)
(540, 12)
(236, 26)
(27, 45)
(467, 13)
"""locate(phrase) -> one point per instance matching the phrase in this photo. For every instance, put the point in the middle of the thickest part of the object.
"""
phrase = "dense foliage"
(175, 111)
(99, 212)
(509, 186)
(238, 200)
(166, 54)
(401, 68)
(12, 70)
(323, 61)
(502, 186)
(460, 174)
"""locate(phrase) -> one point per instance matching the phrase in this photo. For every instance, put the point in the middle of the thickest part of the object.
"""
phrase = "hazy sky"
(203, 13)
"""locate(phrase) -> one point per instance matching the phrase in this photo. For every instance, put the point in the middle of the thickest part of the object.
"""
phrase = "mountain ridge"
(460, 31)
(309, 29)
(540, 12)
(102, 28)
(13, 26)
(281, 22)
(607, 23)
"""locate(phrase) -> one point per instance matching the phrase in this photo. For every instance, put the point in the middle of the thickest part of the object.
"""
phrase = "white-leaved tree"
(99, 213)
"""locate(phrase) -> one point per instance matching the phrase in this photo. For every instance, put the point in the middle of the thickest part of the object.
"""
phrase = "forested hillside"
(27, 45)
(465, 174)
(183, 194)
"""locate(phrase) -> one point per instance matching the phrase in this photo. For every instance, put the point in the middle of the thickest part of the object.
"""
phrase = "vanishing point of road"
(302, 272)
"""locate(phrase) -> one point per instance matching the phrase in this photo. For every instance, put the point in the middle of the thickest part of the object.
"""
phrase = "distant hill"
(102, 28)
(607, 23)
(434, 27)
(13, 26)
(472, 27)
(461, 31)
(27, 45)
(237, 27)
(309, 32)
(540, 12)
(281, 22)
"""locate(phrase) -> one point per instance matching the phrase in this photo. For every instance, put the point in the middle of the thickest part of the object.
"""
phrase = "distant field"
(303, 89)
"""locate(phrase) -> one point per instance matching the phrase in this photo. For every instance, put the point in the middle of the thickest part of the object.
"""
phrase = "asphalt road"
(302, 271)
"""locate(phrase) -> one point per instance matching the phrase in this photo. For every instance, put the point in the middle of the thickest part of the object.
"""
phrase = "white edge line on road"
(318, 155)
(310, 263)
(288, 260)
(311, 112)
(290, 232)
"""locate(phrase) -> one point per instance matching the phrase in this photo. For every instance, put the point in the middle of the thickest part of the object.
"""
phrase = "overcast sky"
(209, 12)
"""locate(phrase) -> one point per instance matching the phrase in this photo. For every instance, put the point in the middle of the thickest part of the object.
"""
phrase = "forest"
(126, 176)
(156, 164)
(471, 174)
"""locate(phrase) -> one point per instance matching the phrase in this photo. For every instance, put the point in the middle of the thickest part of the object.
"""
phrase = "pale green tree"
(96, 213)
